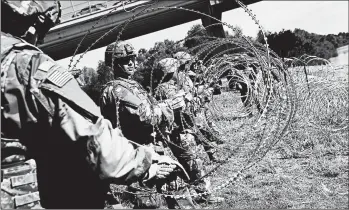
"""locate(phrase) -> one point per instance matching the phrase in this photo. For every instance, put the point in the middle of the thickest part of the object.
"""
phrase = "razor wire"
(277, 97)
(322, 98)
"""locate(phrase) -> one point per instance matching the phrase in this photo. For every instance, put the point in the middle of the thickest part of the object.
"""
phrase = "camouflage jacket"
(171, 89)
(128, 106)
(46, 116)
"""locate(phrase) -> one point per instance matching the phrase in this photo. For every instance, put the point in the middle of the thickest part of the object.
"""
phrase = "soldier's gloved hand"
(160, 171)
(165, 170)
(178, 169)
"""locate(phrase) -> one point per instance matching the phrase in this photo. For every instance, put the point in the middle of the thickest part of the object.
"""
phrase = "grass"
(307, 168)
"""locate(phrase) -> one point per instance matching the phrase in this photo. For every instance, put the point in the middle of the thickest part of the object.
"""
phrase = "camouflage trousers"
(19, 188)
(192, 156)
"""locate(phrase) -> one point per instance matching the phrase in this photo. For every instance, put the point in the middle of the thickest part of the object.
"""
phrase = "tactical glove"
(161, 170)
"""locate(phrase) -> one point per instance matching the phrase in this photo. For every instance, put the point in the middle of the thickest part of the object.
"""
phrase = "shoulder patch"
(42, 70)
(121, 92)
(54, 73)
(47, 65)
(59, 76)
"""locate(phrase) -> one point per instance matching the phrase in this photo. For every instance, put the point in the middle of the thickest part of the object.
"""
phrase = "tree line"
(298, 42)
(285, 43)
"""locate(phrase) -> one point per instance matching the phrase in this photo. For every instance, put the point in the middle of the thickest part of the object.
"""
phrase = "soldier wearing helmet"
(122, 58)
(188, 152)
(140, 117)
(181, 82)
(129, 93)
(182, 57)
(203, 95)
(33, 19)
(48, 123)
(185, 60)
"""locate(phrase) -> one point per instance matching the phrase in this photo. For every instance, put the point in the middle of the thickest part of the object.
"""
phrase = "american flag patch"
(59, 78)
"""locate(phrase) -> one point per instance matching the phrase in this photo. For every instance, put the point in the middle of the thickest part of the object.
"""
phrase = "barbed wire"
(277, 96)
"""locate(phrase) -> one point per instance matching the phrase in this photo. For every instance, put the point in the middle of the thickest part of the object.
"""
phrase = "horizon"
(318, 17)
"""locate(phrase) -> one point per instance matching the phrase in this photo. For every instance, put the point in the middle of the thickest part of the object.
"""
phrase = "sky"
(321, 17)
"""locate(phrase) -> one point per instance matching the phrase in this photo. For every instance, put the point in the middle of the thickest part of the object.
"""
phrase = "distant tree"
(196, 35)
(260, 37)
(94, 80)
(105, 74)
(141, 57)
(284, 42)
(142, 51)
(342, 39)
(326, 50)
(88, 76)
(164, 49)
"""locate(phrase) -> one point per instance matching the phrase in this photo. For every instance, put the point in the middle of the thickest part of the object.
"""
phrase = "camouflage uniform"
(202, 95)
(46, 116)
(205, 93)
(139, 116)
(191, 153)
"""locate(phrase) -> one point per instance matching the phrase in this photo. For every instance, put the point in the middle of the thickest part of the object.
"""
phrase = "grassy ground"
(308, 168)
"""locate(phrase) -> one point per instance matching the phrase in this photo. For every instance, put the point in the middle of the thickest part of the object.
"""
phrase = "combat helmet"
(29, 16)
(166, 68)
(168, 65)
(182, 57)
(118, 52)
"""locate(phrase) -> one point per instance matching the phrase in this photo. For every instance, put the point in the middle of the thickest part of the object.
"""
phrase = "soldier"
(207, 128)
(182, 57)
(48, 123)
(213, 88)
(125, 102)
(189, 153)
(128, 106)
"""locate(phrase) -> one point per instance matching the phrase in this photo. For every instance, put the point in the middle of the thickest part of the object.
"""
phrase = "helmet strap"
(119, 71)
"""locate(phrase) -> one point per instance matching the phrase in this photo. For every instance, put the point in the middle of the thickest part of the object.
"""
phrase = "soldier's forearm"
(117, 157)
(109, 154)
